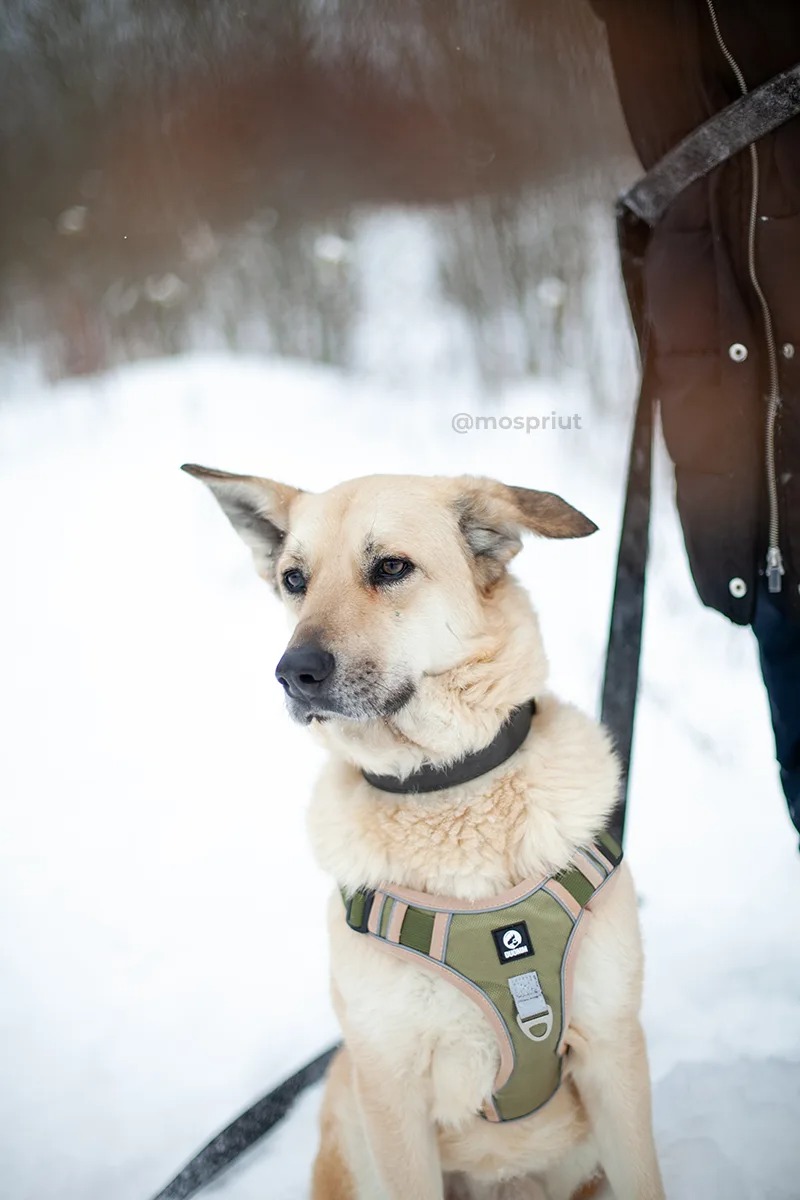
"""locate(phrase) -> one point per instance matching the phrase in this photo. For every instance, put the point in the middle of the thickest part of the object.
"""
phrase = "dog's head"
(390, 581)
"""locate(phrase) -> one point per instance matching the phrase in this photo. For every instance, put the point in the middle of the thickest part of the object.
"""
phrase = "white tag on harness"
(528, 995)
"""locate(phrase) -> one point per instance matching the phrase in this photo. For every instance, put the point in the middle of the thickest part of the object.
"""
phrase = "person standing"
(720, 283)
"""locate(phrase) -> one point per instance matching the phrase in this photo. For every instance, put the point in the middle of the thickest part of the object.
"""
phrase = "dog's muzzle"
(318, 688)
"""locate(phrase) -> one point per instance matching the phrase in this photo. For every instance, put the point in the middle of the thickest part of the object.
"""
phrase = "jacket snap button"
(737, 352)
(787, 350)
(737, 587)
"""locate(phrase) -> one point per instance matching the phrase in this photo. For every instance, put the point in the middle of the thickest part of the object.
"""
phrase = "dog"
(412, 643)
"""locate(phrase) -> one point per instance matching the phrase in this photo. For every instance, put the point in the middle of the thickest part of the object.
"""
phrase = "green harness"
(513, 955)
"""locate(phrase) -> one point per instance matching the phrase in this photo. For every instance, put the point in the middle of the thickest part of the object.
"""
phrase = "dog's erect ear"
(547, 514)
(258, 509)
(492, 516)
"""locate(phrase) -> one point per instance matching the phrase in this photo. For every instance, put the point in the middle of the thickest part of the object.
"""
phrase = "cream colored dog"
(411, 645)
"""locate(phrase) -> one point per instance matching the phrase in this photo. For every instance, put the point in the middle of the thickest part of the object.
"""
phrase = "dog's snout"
(303, 670)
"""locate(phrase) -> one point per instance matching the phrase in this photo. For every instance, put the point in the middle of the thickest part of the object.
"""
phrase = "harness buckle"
(533, 1011)
(527, 1025)
(368, 895)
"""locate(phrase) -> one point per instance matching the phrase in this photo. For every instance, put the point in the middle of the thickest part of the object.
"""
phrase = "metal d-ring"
(527, 1026)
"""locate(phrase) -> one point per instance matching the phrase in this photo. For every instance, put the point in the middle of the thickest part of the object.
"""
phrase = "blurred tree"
(176, 166)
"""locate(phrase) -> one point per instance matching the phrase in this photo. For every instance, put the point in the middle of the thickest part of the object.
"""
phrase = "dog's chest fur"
(522, 820)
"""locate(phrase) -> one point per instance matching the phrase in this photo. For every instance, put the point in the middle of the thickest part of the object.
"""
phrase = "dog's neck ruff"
(430, 778)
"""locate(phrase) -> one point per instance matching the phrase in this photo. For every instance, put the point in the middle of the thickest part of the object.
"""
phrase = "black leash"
(624, 647)
(752, 116)
(746, 120)
(243, 1132)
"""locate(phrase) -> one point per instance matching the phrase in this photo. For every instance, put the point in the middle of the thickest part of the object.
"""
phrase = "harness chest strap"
(512, 955)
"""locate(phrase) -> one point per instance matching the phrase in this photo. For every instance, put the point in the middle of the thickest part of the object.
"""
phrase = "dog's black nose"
(304, 669)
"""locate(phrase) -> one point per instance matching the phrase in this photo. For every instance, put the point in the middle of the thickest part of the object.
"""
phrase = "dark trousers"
(779, 648)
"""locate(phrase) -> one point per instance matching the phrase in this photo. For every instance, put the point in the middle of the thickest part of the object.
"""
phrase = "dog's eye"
(389, 570)
(294, 581)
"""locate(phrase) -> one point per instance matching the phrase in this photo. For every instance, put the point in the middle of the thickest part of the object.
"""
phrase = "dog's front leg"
(613, 1081)
(399, 1131)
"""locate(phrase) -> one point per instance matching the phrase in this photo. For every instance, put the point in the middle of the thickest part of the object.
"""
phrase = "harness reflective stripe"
(512, 955)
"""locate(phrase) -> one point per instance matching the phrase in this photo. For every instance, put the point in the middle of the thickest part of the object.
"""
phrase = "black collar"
(430, 778)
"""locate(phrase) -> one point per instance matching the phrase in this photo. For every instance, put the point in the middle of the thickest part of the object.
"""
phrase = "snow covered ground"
(154, 791)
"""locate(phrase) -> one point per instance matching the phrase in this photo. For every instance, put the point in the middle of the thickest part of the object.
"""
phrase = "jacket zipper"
(775, 568)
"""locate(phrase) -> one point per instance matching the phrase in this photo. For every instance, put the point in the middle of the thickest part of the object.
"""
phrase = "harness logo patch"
(512, 942)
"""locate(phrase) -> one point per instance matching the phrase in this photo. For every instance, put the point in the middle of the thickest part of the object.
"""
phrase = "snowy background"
(153, 790)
